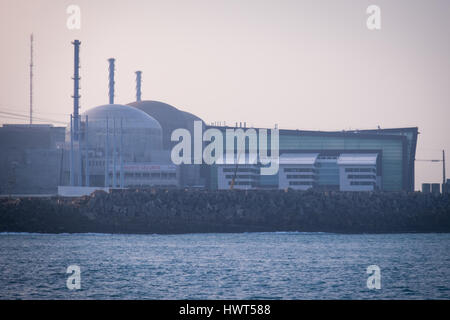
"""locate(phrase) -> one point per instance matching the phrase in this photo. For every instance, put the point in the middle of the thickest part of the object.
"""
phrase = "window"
(298, 176)
(361, 176)
(360, 170)
(232, 170)
(241, 176)
(299, 170)
(362, 183)
(300, 183)
(244, 183)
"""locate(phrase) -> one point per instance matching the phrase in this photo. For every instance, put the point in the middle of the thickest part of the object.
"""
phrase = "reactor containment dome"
(139, 134)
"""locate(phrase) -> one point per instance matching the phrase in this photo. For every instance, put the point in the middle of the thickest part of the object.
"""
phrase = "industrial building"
(358, 172)
(391, 153)
(129, 145)
(30, 159)
(117, 146)
(170, 119)
(297, 171)
(243, 175)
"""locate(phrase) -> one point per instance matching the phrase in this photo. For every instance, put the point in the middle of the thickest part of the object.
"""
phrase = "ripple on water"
(280, 265)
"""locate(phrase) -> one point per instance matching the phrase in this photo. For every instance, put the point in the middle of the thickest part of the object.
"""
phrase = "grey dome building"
(114, 137)
(171, 118)
(141, 133)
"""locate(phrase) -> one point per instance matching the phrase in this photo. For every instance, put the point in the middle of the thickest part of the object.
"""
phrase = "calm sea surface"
(225, 266)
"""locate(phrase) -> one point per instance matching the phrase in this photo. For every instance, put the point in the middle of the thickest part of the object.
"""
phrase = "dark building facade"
(30, 159)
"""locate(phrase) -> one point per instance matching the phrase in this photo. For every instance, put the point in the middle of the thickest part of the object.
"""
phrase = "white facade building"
(303, 171)
(358, 172)
(297, 171)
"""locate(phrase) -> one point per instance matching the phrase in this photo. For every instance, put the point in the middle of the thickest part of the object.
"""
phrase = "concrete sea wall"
(190, 211)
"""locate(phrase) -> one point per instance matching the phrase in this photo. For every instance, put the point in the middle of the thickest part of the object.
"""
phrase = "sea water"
(225, 266)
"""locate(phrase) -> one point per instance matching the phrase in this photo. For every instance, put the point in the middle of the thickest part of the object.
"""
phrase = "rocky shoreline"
(198, 211)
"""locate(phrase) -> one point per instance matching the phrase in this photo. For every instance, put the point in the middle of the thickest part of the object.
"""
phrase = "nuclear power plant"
(129, 146)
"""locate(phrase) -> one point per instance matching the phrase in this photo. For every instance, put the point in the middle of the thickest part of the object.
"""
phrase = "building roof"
(357, 159)
(132, 117)
(168, 116)
(298, 158)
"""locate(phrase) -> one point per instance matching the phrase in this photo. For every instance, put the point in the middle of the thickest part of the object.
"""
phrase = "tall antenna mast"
(31, 79)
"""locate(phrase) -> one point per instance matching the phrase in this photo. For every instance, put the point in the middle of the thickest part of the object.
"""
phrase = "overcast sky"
(300, 64)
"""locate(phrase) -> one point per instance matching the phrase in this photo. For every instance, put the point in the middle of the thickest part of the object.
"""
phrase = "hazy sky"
(300, 64)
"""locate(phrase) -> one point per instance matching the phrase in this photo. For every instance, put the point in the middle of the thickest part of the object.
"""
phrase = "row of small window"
(362, 183)
(241, 176)
(143, 184)
(300, 176)
(360, 170)
(147, 175)
(299, 170)
(361, 176)
(251, 170)
(97, 163)
(301, 183)
(244, 183)
(100, 163)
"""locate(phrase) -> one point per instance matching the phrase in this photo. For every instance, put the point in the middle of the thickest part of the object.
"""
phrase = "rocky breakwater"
(186, 211)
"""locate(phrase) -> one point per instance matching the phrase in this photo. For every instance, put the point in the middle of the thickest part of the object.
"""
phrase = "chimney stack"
(138, 85)
(111, 80)
(76, 88)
